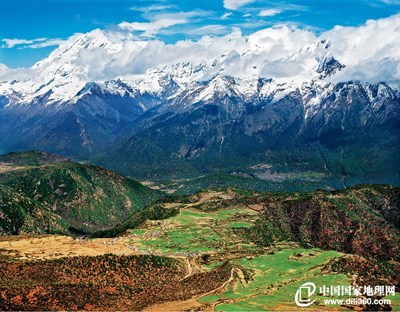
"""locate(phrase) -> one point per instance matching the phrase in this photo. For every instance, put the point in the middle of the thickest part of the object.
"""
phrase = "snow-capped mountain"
(289, 58)
(277, 96)
(63, 76)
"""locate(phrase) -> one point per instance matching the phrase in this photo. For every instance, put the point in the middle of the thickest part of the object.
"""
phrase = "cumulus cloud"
(281, 41)
(158, 53)
(373, 71)
(242, 53)
(3, 69)
(370, 52)
(9, 74)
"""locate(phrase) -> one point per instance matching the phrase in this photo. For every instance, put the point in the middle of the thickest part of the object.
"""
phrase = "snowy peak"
(328, 66)
(67, 70)
(288, 57)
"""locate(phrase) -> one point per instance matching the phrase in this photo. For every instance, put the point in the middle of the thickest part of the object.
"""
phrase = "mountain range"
(272, 106)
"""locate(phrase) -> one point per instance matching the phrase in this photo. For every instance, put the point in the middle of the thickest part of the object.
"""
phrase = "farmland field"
(206, 239)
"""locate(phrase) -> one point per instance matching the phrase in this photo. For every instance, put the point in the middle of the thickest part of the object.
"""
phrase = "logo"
(304, 293)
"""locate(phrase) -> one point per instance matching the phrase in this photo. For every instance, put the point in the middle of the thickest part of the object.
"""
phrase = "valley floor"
(223, 270)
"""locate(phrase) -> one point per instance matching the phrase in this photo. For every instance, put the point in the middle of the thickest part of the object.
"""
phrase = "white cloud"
(154, 7)
(380, 4)
(226, 15)
(45, 43)
(30, 43)
(269, 12)
(11, 43)
(391, 2)
(159, 21)
(373, 71)
(180, 15)
(3, 69)
(211, 30)
(245, 52)
(236, 4)
(152, 28)
(9, 74)
(276, 51)
(370, 52)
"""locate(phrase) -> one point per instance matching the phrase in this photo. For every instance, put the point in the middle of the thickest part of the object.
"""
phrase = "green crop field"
(235, 250)
(266, 277)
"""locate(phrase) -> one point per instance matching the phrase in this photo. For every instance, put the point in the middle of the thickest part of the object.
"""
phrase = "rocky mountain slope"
(347, 134)
(43, 193)
(276, 100)
(223, 249)
(363, 220)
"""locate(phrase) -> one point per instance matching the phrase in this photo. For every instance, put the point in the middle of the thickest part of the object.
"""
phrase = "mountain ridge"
(233, 108)
(44, 193)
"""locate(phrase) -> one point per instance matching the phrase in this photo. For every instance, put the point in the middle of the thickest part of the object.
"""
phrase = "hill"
(106, 282)
(222, 250)
(363, 220)
(45, 193)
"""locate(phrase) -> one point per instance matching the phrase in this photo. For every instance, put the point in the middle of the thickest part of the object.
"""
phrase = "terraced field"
(196, 232)
(274, 279)
(209, 235)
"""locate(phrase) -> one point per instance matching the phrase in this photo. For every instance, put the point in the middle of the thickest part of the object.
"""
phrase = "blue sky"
(38, 25)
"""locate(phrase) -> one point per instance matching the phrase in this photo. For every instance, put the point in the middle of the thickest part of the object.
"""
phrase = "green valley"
(254, 249)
